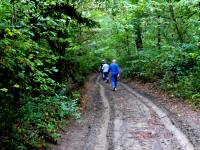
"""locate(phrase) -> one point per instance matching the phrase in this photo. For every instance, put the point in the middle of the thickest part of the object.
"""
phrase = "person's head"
(103, 61)
(114, 61)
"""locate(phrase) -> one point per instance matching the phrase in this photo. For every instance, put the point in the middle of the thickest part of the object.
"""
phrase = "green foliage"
(144, 65)
(177, 71)
(48, 47)
(42, 62)
(156, 41)
(40, 118)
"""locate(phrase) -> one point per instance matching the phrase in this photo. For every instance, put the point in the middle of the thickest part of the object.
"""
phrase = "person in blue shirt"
(115, 71)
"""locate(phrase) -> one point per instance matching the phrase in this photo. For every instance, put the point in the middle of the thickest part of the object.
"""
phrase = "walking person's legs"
(102, 74)
(114, 81)
(106, 77)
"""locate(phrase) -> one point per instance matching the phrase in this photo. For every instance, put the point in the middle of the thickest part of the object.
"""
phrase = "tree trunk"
(138, 32)
(158, 34)
(180, 36)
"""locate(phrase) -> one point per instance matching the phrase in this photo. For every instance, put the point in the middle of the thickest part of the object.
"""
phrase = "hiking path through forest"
(131, 119)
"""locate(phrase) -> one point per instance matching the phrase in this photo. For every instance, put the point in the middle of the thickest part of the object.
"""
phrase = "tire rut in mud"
(82, 133)
(139, 124)
(165, 119)
(122, 120)
(182, 115)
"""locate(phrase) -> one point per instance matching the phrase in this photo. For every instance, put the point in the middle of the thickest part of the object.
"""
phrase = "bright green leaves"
(42, 60)
(4, 90)
(40, 116)
(167, 32)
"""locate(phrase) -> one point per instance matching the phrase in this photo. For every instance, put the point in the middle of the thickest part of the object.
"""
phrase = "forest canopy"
(47, 48)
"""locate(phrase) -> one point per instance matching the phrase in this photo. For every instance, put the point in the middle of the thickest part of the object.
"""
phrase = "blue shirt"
(114, 68)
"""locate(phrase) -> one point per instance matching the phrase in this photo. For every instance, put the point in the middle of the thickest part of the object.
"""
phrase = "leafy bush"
(177, 70)
(41, 64)
(40, 120)
(145, 65)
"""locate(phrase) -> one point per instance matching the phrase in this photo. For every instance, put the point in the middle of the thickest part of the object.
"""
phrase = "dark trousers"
(102, 75)
(105, 74)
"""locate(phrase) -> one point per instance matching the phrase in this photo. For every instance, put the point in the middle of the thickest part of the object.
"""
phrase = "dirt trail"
(123, 120)
(178, 134)
(102, 143)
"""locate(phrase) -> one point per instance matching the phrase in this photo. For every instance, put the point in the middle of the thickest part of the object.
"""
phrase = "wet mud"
(128, 119)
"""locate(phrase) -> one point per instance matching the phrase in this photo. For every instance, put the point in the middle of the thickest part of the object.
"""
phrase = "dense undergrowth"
(155, 41)
(43, 63)
(167, 48)
(176, 71)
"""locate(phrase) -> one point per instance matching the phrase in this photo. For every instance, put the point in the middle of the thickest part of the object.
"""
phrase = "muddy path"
(127, 119)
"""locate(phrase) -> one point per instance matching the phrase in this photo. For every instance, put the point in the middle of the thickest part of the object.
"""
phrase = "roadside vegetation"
(47, 48)
(156, 42)
(42, 63)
